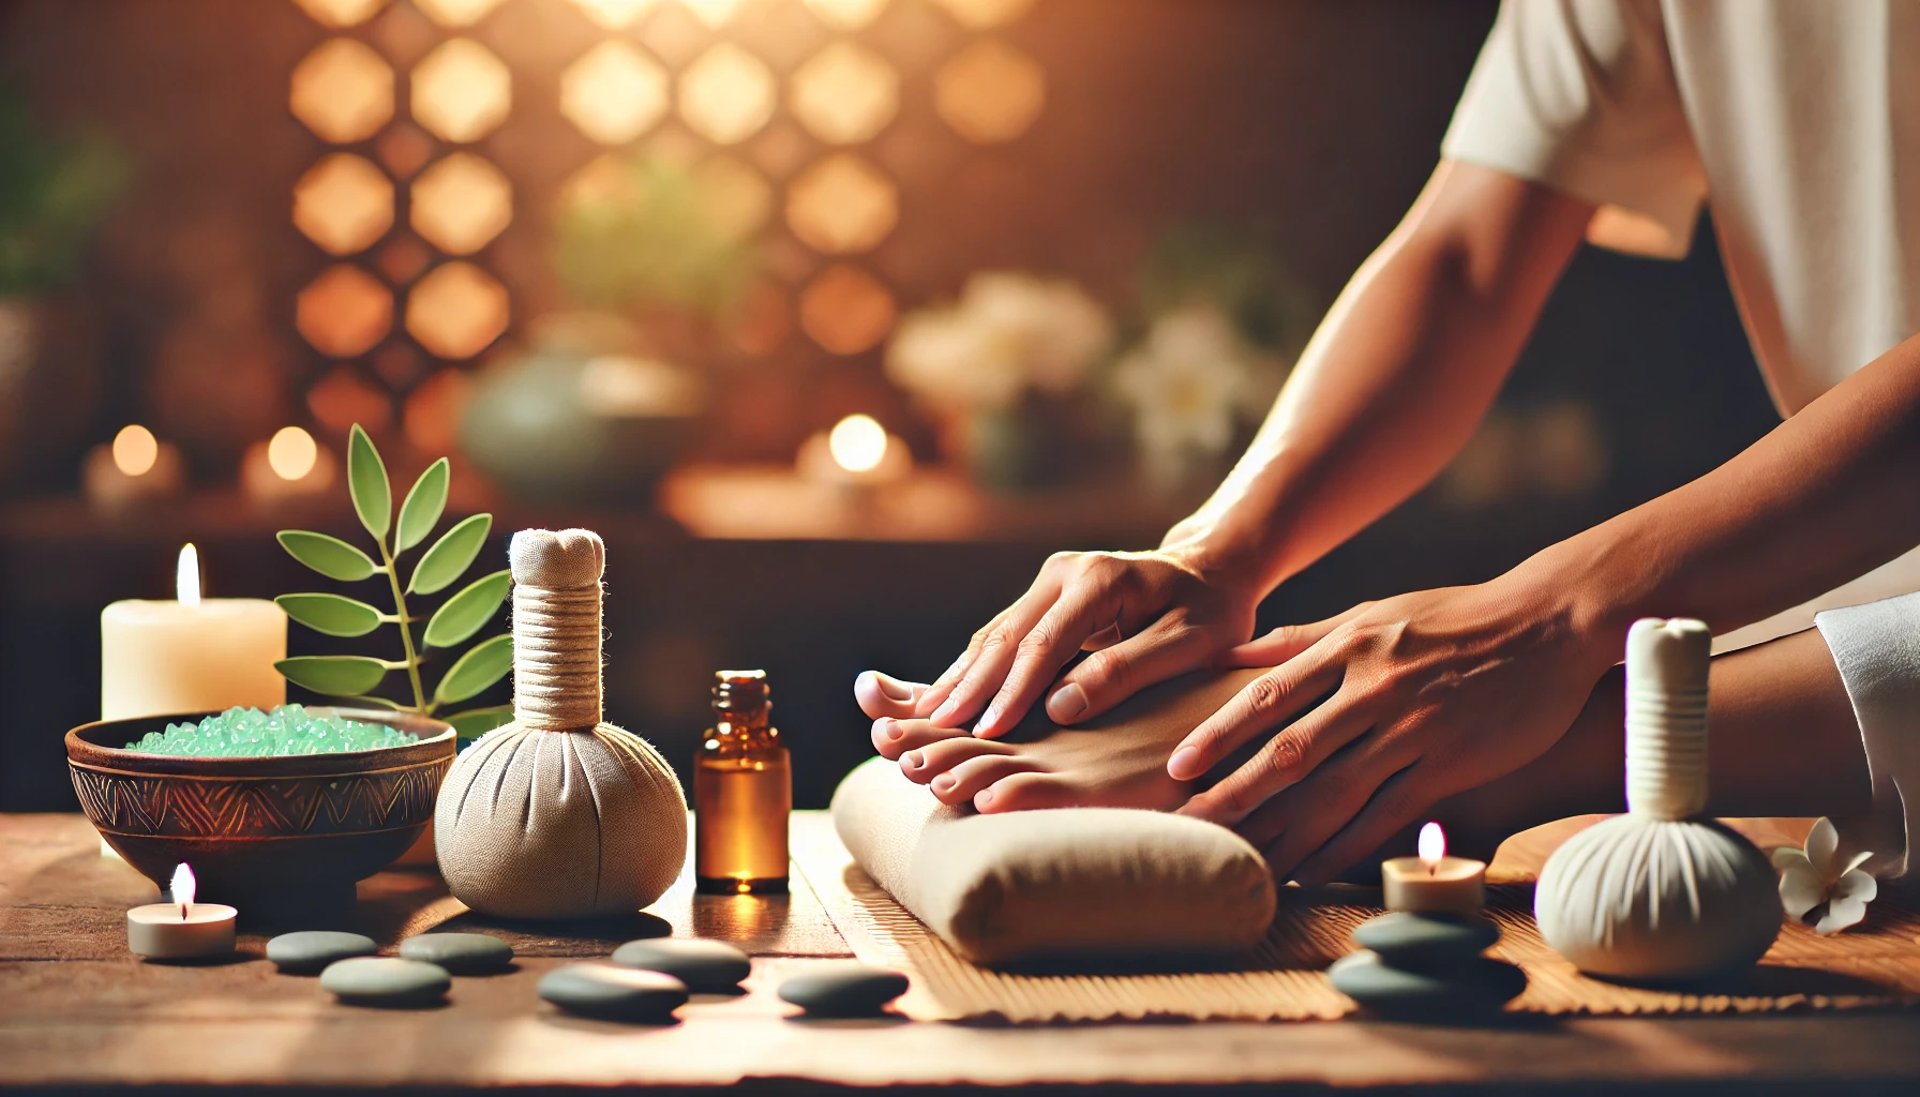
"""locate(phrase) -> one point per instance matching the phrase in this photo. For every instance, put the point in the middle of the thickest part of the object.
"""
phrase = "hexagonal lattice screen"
(456, 13)
(461, 91)
(614, 93)
(846, 14)
(727, 94)
(340, 13)
(461, 203)
(986, 13)
(343, 91)
(343, 204)
(614, 14)
(344, 311)
(844, 94)
(842, 204)
(990, 92)
(714, 13)
(735, 197)
(846, 310)
(457, 310)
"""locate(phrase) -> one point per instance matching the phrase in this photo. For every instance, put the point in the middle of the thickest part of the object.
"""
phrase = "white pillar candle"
(181, 929)
(191, 655)
(1433, 881)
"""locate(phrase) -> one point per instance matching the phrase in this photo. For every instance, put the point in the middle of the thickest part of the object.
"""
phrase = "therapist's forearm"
(1823, 498)
(1396, 378)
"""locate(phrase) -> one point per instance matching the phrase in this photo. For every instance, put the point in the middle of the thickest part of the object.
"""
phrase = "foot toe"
(1026, 792)
(925, 763)
(880, 695)
(893, 737)
(958, 785)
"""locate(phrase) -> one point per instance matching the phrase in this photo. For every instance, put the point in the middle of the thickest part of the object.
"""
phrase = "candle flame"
(1433, 846)
(858, 443)
(183, 888)
(186, 578)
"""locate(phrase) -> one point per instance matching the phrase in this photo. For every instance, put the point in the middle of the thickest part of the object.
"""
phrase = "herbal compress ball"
(1662, 893)
(557, 814)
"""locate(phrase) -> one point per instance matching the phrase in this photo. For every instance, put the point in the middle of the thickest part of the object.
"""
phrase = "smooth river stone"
(460, 953)
(707, 967)
(1479, 984)
(311, 950)
(1406, 939)
(614, 993)
(844, 988)
(386, 981)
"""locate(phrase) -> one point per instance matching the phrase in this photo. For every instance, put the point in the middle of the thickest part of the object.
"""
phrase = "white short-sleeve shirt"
(1799, 124)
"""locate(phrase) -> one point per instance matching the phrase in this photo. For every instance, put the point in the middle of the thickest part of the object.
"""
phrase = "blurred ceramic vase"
(1661, 894)
(561, 425)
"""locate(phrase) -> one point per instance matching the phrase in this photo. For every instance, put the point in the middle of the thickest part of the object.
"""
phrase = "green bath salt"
(251, 733)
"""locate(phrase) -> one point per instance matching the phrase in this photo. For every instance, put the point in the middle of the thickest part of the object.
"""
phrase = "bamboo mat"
(1875, 965)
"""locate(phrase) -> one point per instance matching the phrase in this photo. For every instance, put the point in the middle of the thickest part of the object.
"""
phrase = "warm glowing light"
(186, 588)
(461, 203)
(1433, 846)
(727, 94)
(614, 14)
(183, 883)
(340, 13)
(858, 443)
(343, 91)
(845, 94)
(614, 92)
(456, 13)
(847, 14)
(735, 199)
(714, 13)
(461, 91)
(842, 204)
(343, 203)
(291, 454)
(986, 13)
(846, 310)
(456, 310)
(990, 92)
(135, 450)
(344, 311)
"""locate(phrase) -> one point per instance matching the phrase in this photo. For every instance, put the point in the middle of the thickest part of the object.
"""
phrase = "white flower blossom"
(1010, 333)
(1817, 875)
(1189, 383)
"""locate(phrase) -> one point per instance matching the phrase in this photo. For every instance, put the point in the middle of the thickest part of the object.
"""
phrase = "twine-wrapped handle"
(1667, 663)
(556, 628)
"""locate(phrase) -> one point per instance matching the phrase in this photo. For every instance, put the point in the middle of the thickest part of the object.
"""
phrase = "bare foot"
(1116, 760)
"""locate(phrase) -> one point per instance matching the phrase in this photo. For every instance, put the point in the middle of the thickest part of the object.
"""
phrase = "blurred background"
(834, 317)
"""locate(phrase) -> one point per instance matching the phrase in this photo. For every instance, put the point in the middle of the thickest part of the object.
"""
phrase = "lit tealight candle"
(1434, 881)
(857, 451)
(181, 929)
(134, 467)
(290, 465)
(191, 654)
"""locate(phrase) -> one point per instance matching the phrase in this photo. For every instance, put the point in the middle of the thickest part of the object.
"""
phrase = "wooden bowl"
(267, 835)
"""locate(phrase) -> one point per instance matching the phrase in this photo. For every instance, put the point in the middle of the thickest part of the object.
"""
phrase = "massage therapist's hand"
(1147, 616)
(1376, 715)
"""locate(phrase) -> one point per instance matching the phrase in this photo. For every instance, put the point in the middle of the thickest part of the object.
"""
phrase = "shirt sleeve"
(1580, 95)
(1877, 649)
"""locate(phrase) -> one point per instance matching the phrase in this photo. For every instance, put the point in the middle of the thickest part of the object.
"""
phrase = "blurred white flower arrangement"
(1190, 384)
(1010, 336)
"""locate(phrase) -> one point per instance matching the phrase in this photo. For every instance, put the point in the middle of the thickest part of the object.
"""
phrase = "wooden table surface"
(79, 1014)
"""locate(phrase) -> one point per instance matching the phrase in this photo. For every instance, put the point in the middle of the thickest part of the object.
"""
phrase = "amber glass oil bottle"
(742, 791)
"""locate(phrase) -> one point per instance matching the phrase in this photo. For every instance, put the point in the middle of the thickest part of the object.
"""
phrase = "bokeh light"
(461, 203)
(614, 92)
(736, 200)
(461, 91)
(344, 397)
(614, 14)
(343, 203)
(845, 94)
(846, 310)
(344, 311)
(990, 92)
(340, 13)
(342, 91)
(714, 13)
(727, 94)
(135, 450)
(858, 443)
(457, 310)
(980, 14)
(456, 13)
(847, 14)
(842, 204)
(292, 453)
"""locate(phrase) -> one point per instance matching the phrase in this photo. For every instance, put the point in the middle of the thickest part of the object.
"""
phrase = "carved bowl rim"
(87, 750)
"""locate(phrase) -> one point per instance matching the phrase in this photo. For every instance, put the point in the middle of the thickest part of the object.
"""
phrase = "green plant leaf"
(367, 483)
(335, 675)
(476, 722)
(421, 512)
(370, 701)
(440, 565)
(484, 664)
(332, 614)
(330, 556)
(467, 612)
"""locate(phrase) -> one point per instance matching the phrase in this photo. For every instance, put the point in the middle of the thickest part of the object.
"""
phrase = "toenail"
(894, 730)
(945, 782)
(913, 760)
(983, 798)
